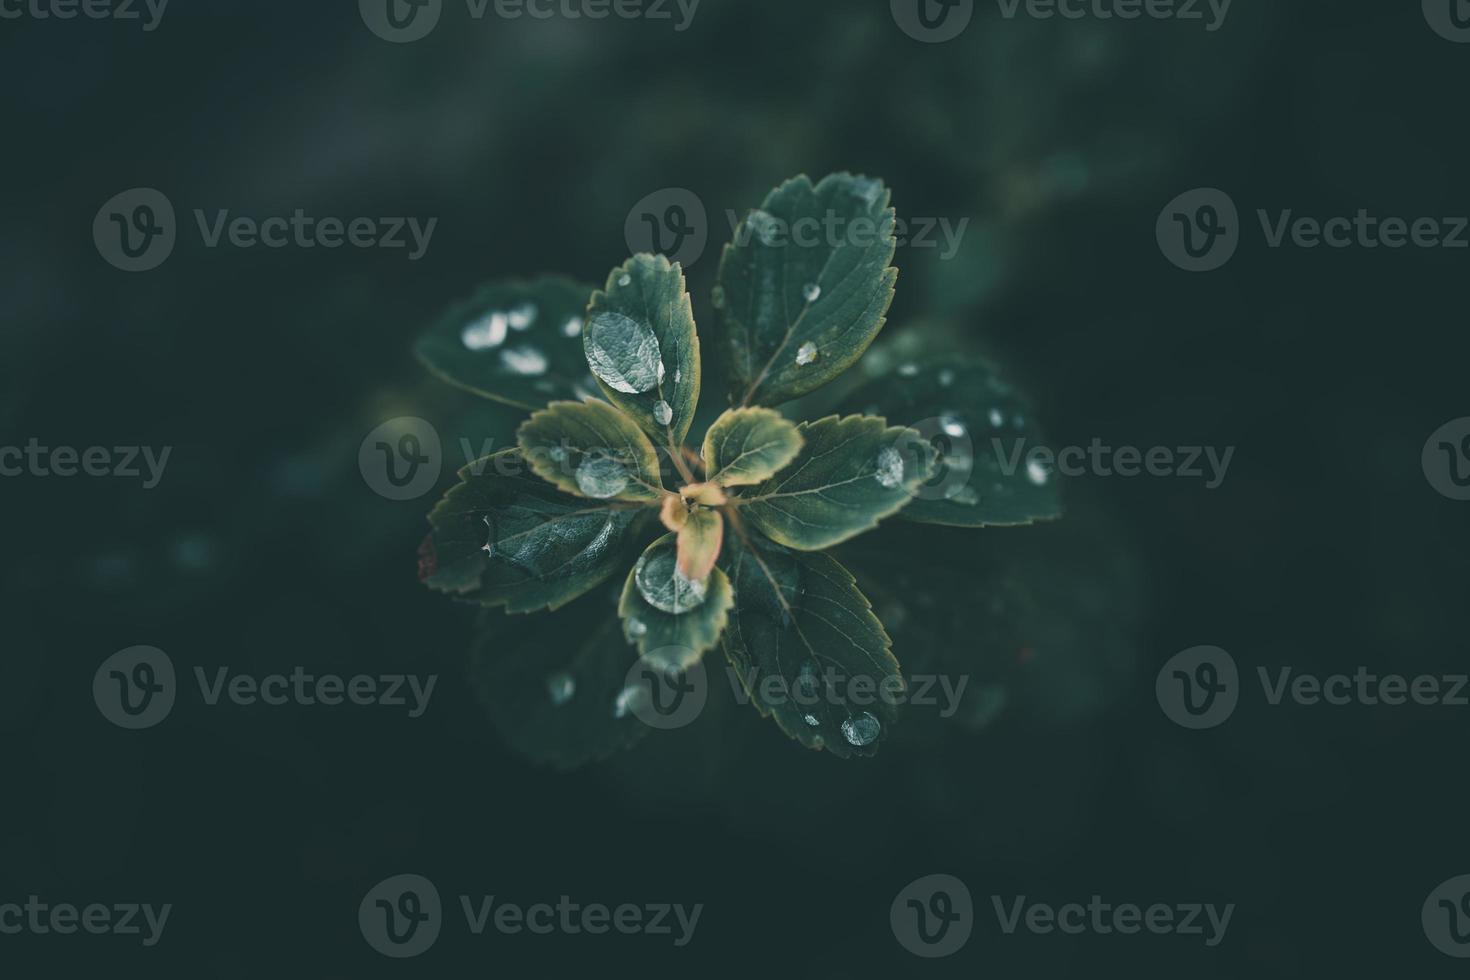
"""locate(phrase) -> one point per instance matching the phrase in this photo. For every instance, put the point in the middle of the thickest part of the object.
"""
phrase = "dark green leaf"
(642, 348)
(748, 445)
(504, 537)
(552, 684)
(672, 619)
(851, 473)
(808, 649)
(516, 342)
(806, 284)
(983, 429)
(592, 450)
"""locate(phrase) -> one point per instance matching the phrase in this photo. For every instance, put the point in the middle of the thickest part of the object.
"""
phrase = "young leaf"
(516, 342)
(672, 619)
(983, 429)
(808, 649)
(642, 348)
(699, 543)
(748, 445)
(851, 473)
(503, 537)
(552, 685)
(806, 285)
(592, 450)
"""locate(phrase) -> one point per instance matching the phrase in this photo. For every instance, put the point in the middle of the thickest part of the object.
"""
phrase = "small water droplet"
(717, 297)
(908, 370)
(637, 627)
(663, 586)
(997, 418)
(952, 426)
(489, 546)
(601, 477)
(624, 353)
(561, 686)
(572, 328)
(810, 719)
(890, 467)
(1037, 473)
(625, 280)
(629, 699)
(663, 414)
(946, 378)
(678, 375)
(811, 292)
(522, 316)
(806, 353)
(524, 360)
(558, 454)
(862, 730)
(486, 332)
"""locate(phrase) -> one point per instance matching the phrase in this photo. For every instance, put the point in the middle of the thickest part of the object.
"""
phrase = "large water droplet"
(601, 477)
(624, 353)
(524, 360)
(862, 730)
(663, 413)
(890, 467)
(806, 353)
(522, 316)
(664, 587)
(811, 292)
(486, 332)
(561, 686)
(625, 280)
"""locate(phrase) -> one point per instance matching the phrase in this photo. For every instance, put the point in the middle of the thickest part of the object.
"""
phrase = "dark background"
(264, 549)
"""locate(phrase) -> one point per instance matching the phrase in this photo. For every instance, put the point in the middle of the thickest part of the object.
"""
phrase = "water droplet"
(561, 686)
(952, 426)
(678, 375)
(558, 454)
(572, 328)
(806, 353)
(522, 316)
(997, 418)
(629, 699)
(811, 292)
(524, 360)
(662, 584)
(637, 627)
(946, 378)
(663, 414)
(486, 332)
(862, 730)
(624, 353)
(601, 477)
(625, 280)
(966, 496)
(908, 370)
(810, 719)
(1037, 473)
(890, 467)
(717, 297)
(489, 546)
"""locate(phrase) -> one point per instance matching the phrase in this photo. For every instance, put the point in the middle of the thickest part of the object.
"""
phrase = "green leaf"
(551, 684)
(982, 428)
(808, 650)
(748, 445)
(545, 547)
(851, 473)
(672, 619)
(516, 342)
(642, 348)
(806, 284)
(592, 450)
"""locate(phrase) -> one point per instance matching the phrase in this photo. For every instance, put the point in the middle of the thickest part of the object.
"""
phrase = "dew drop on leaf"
(663, 413)
(664, 587)
(806, 353)
(1037, 473)
(601, 477)
(524, 360)
(572, 328)
(486, 332)
(908, 370)
(952, 426)
(862, 730)
(890, 467)
(997, 418)
(627, 698)
(637, 626)
(560, 686)
(811, 292)
(624, 353)
(522, 316)
(625, 280)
